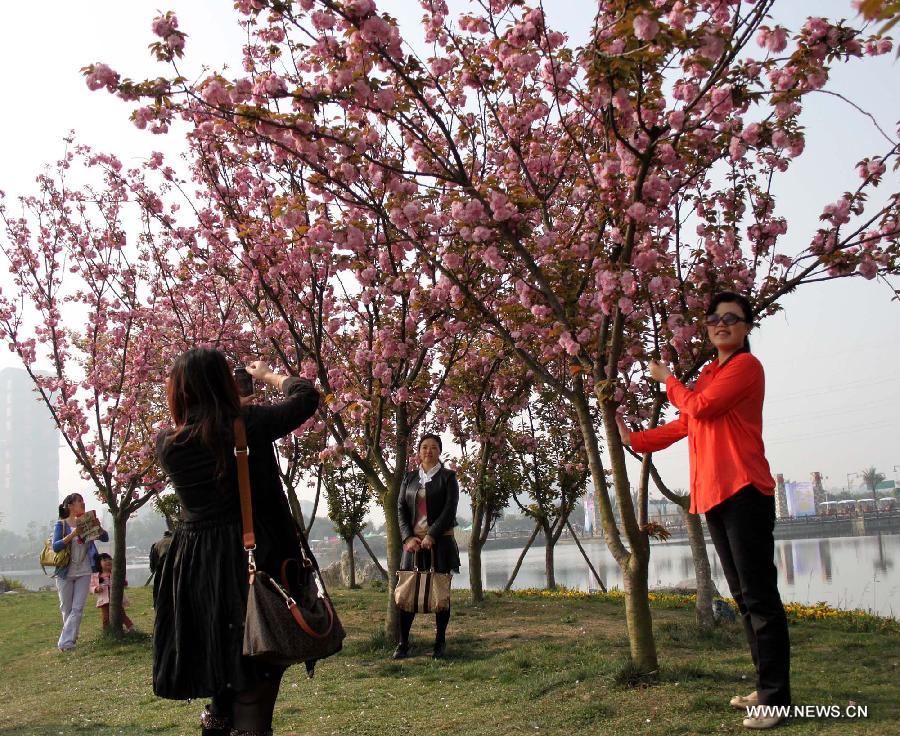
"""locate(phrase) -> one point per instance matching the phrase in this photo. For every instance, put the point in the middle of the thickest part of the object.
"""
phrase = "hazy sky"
(831, 358)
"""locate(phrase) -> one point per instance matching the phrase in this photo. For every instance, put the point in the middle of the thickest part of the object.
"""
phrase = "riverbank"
(848, 573)
(522, 663)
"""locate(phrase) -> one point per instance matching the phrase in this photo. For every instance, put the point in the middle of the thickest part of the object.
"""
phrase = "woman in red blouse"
(731, 484)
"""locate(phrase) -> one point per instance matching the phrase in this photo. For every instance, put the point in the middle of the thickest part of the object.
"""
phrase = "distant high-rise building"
(29, 454)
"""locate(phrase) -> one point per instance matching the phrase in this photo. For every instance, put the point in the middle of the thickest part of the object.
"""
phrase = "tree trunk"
(312, 514)
(586, 558)
(702, 572)
(351, 559)
(549, 571)
(117, 586)
(294, 504)
(512, 577)
(368, 549)
(634, 565)
(392, 529)
(637, 615)
(475, 583)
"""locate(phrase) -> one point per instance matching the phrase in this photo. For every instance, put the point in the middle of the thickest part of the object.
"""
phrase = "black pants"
(250, 710)
(741, 528)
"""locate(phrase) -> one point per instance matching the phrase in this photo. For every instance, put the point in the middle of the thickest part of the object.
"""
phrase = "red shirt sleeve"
(659, 438)
(733, 382)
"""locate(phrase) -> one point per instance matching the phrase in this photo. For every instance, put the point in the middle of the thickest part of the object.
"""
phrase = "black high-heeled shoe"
(213, 725)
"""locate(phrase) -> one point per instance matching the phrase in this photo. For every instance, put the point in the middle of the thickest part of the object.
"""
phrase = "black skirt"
(199, 629)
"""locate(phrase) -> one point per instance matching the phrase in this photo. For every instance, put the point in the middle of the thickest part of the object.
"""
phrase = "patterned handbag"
(291, 620)
(420, 591)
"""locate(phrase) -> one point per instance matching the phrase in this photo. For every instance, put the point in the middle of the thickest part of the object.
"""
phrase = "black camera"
(244, 382)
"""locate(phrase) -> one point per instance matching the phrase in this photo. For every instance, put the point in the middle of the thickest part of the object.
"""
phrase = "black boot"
(213, 725)
(402, 651)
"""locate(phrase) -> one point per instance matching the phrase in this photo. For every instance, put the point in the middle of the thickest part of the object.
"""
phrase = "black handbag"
(291, 620)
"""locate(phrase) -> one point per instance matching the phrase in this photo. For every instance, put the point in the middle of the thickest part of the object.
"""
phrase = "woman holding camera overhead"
(731, 484)
(201, 605)
(426, 512)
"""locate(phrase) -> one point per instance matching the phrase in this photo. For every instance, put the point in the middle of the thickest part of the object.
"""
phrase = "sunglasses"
(729, 319)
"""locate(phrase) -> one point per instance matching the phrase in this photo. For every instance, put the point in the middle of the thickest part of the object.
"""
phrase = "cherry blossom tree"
(343, 305)
(78, 318)
(348, 493)
(300, 465)
(550, 451)
(481, 396)
(580, 201)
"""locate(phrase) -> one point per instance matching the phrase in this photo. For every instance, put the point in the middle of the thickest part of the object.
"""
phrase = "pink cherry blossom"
(645, 27)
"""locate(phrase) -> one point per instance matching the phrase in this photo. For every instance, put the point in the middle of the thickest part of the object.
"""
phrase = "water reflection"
(787, 562)
(882, 564)
(845, 572)
(825, 558)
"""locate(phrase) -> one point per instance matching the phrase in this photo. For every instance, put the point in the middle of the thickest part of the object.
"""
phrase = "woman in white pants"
(73, 581)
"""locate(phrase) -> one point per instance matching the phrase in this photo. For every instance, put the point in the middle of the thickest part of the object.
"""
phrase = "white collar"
(425, 476)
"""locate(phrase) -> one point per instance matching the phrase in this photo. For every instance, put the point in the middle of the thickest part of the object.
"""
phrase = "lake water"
(844, 572)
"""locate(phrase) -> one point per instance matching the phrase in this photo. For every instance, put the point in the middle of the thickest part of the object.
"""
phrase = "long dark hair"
(203, 400)
(66, 502)
(731, 297)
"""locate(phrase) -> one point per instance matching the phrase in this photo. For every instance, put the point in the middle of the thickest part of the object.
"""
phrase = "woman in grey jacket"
(426, 512)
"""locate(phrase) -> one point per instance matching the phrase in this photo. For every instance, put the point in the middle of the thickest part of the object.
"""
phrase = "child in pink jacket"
(100, 582)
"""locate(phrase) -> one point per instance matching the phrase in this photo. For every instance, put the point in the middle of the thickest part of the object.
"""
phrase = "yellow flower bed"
(562, 593)
(795, 611)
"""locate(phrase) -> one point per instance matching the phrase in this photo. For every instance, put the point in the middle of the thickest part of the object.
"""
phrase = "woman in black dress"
(200, 608)
(426, 512)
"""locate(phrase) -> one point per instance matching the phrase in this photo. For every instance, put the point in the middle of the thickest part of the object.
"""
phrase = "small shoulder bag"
(49, 558)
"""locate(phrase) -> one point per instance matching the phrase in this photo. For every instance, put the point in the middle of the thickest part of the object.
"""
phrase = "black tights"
(442, 618)
(250, 710)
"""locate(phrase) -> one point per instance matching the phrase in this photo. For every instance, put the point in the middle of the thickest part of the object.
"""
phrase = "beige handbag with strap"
(419, 591)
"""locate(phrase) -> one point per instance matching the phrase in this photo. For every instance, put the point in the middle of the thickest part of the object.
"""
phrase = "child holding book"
(100, 583)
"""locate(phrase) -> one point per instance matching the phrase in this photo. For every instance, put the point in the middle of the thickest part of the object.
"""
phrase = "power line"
(797, 417)
(832, 433)
(831, 389)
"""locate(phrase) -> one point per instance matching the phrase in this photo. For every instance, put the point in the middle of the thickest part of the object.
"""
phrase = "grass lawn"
(518, 664)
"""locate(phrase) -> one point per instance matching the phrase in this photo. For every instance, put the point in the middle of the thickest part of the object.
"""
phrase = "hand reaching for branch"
(658, 371)
(624, 432)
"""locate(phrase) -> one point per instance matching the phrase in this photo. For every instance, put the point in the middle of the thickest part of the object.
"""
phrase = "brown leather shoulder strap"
(241, 453)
